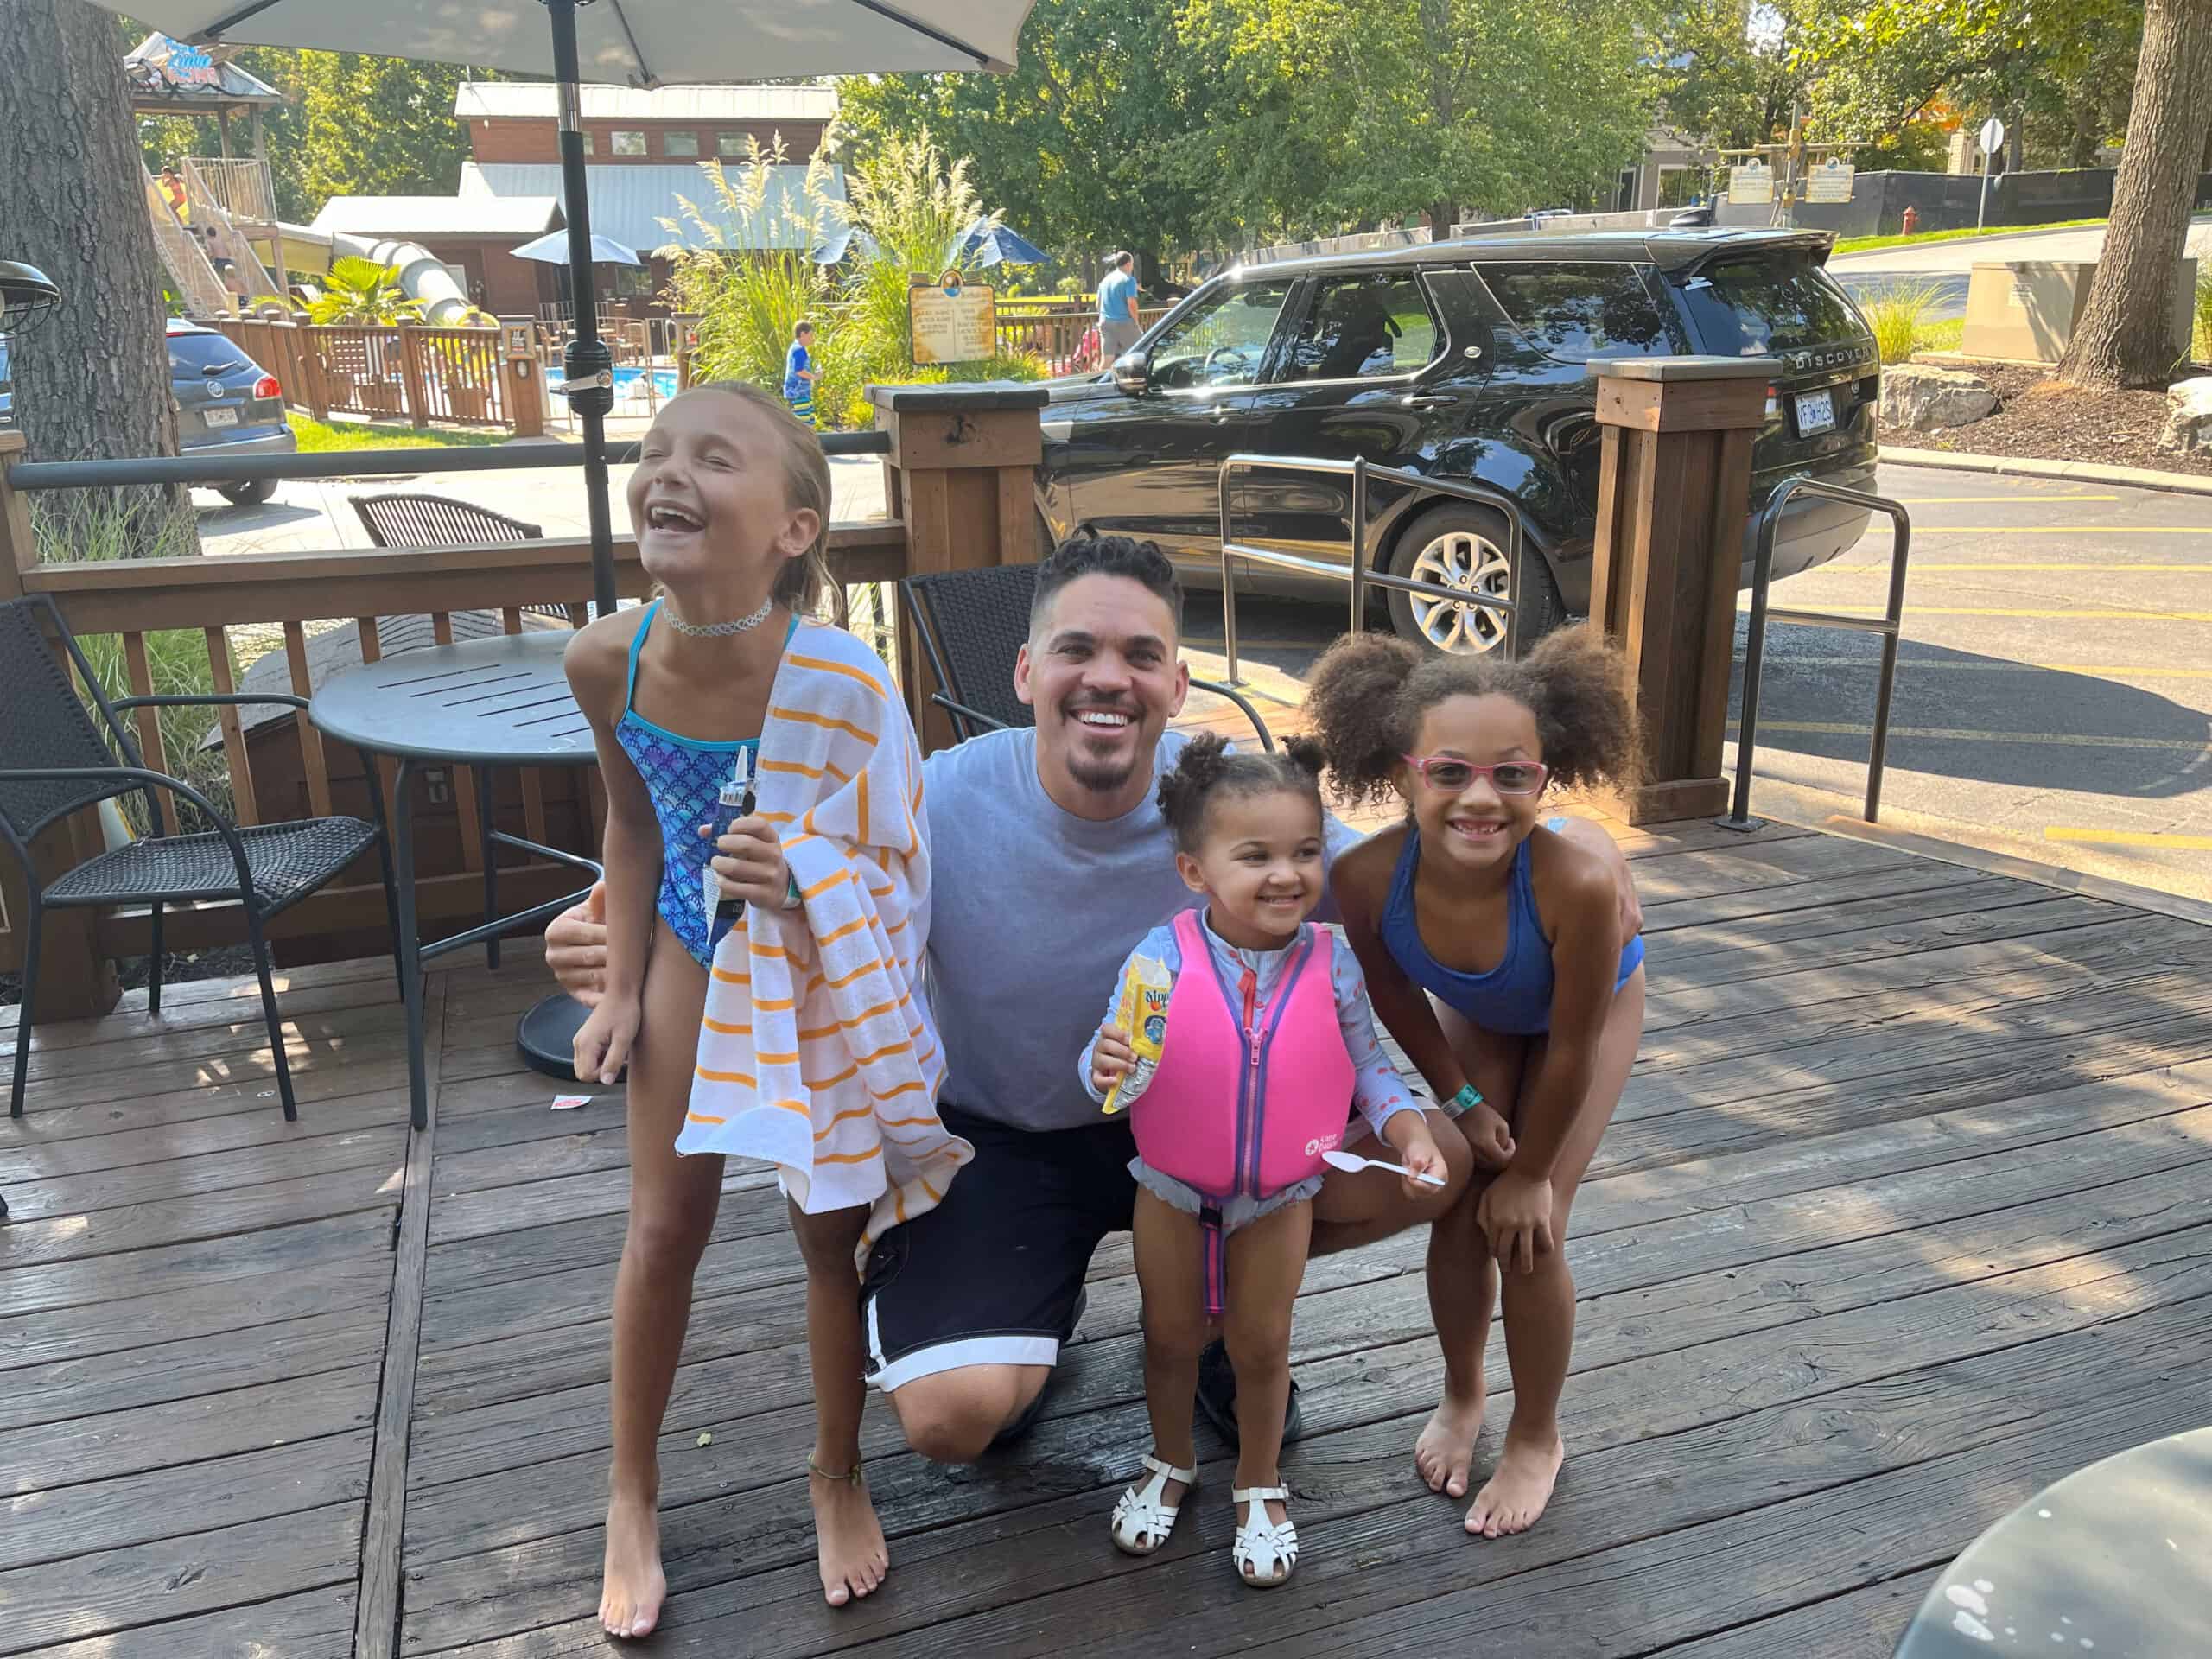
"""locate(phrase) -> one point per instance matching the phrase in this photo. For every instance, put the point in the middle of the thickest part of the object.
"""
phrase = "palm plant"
(361, 291)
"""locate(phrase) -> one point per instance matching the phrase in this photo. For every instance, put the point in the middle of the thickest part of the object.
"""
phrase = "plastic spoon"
(1353, 1162)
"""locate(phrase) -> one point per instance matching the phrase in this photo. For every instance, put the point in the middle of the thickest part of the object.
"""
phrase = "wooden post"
(961, 473)
(1674, 496)
(74, 980)
(312, 381)
(411, 374)
(522, 385)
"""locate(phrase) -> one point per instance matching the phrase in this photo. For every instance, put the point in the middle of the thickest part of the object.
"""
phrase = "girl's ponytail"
(1354, 696)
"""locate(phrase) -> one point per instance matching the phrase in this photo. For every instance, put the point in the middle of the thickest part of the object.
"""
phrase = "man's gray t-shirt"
(1032, 911)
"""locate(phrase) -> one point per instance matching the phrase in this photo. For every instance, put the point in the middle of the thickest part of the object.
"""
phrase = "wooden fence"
(458, 376)
(1054, 333)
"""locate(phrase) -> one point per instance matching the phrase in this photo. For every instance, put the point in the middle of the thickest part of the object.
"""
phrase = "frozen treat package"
(1145, 985)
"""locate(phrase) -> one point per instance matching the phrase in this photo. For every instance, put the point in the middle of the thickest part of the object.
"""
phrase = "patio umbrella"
(999, 244)
(552, 249)
(634, 42)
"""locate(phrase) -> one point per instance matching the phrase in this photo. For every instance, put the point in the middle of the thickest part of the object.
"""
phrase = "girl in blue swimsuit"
(731, 502)
(1493, 951)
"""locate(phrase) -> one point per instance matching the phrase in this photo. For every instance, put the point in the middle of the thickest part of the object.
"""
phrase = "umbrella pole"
(588, 366)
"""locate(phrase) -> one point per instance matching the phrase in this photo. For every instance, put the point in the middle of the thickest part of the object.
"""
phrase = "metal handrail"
(350, 463)
(1889, 626)
(1362, 471)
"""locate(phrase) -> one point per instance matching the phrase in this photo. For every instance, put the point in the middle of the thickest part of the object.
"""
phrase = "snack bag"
(1143, 1013)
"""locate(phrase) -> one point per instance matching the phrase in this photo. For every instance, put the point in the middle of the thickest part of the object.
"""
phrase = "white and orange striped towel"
(819, 1054)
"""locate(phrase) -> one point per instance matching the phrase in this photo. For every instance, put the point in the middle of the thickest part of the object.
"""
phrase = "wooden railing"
(970, 493)
(458, 376)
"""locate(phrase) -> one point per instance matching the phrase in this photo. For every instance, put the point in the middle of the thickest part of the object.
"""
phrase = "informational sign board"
(1750, 182)
(954, 320)
(187, 66)
(1829, 182)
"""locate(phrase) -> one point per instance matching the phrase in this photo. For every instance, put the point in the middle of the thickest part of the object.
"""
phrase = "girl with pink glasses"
(1493, 952)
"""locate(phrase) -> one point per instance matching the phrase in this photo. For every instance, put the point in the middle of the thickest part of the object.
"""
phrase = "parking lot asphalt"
(2054, 690)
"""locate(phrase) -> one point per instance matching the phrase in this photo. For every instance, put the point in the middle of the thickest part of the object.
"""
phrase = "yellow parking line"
(2131, 838)
(1919, 569)
(2077, 615)
(2093, 670)
(2068, 740)
(2064, 530)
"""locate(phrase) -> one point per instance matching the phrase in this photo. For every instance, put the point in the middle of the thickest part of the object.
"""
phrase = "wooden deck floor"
(1907, 1211)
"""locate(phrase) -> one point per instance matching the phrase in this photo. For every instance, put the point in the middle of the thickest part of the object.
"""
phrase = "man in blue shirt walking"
(1117, 307)
(799, 372)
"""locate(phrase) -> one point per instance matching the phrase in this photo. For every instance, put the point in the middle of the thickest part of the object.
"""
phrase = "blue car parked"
(226, 404)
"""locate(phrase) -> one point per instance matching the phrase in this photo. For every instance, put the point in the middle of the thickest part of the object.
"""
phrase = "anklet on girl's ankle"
(851, 1477)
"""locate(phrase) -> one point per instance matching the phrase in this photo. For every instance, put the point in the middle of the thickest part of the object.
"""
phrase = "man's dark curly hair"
(1106, 556)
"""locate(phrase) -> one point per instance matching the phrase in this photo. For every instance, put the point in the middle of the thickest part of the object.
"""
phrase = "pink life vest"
(1237, 1107)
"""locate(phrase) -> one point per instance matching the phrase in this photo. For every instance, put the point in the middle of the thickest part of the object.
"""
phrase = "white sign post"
(1993, 140)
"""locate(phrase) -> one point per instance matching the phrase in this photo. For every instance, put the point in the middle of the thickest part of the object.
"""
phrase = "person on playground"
(1495, 955)
(1052, 859)
(731, 499)
(1236, 1034)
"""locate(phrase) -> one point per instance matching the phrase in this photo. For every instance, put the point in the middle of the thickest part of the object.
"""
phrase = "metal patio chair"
(973, 624)
(55, 759)
(408, 520)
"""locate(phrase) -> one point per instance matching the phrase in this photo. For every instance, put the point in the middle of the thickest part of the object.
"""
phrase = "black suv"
(1464, 360)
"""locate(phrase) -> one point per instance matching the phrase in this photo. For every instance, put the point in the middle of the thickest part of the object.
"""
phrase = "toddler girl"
(1267, 1044)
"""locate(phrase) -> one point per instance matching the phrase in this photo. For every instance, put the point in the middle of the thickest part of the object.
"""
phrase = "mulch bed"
(2043, 418)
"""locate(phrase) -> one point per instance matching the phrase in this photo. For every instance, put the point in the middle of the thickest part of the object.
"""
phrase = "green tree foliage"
(1072, 145)
(1731, 78)
(353, 126)
(1347, 113)
(1879, 68)
(1166, 126)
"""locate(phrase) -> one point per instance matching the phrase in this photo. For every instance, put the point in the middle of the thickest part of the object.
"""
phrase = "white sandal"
(1142, 1522)
(1268, 1547)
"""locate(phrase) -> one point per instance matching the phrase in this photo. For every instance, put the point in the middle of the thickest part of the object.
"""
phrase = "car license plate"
(1815, 413)
(230, 416)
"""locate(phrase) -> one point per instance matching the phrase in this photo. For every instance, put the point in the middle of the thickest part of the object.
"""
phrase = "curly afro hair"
(1208, 768)
(1369, 693)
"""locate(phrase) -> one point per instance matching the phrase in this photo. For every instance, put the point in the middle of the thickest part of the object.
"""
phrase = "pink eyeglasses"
(1448, 774)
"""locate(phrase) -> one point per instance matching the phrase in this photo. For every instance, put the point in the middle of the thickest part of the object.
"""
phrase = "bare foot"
(1513, 1497)
(1445, 1451)
(633, 1585)
(847, 1539)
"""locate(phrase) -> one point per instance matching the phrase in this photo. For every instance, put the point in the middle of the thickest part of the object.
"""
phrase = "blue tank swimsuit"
(684, 777)
(1515, 996)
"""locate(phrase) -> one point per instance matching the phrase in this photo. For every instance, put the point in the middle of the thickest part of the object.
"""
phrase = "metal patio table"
(486, 704)
(2112, 1562)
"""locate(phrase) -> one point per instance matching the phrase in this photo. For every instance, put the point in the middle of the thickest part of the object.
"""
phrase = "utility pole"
(1785, 200)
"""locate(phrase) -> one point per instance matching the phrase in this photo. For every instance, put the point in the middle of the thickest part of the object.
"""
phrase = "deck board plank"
(1907, 1209)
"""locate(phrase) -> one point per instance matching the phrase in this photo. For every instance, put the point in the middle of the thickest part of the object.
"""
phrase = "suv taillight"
(267, 387)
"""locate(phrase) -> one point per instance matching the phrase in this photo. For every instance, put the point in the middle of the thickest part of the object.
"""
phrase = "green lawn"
(1868, 244)
(1940, 336)
(317, 437)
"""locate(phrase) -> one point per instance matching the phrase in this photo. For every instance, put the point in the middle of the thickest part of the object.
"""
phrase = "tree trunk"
(2081, 147)
(2126, 335)
(91, 375)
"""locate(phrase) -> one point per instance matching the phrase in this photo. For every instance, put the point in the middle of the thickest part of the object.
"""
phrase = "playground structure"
(220, 210)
